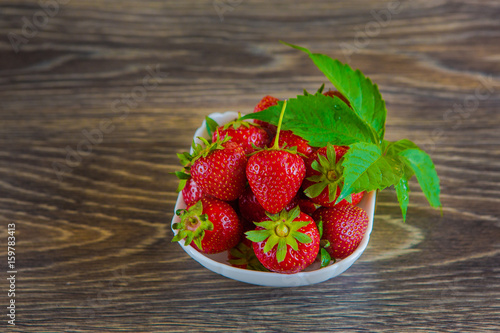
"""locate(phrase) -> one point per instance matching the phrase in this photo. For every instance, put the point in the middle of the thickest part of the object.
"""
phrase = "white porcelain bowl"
(313, 274)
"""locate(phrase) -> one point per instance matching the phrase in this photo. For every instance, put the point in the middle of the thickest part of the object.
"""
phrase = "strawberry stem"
(277, 138)
(282, 230)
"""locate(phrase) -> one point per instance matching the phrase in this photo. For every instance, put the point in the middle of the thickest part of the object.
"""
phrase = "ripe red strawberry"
(307, 205)
(192, 192)
(339, 153)
(288, 139)
(266, 102)
(335, 93)
(275, 177)
(252, 210)
(287, 242)
(244, 133)
(210, 226)
(219, 169)
(324, 176)
(275, 174)
(343, 227)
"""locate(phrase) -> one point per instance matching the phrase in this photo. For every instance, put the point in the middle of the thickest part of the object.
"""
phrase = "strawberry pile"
(281, 191)
(267, 197)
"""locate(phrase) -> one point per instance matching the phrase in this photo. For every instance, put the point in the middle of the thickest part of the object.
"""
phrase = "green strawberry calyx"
(201, 150)
(238, 122)
(192, 225)
(330, 175)
(183, 177)
(212, 126)
(319, 91)
(281, 230)
(323, 255)
(244, 255)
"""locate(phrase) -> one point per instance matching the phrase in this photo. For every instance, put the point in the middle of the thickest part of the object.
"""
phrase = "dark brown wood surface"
(93, 250)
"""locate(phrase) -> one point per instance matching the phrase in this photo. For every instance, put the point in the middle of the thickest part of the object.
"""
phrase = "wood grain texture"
(94, 251)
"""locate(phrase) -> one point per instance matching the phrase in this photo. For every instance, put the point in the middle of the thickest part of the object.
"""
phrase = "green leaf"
(271, 242)
(211, 126)
(364, 96)
(296, 225)
(302, 238)
(324, 162)
(325, 258)
(331, 154)
(366, 169)
(180, 235)
(394, 148)
(402, 189)
(184, 158)
(197, 209)
(291, 215)
(182, 175)
(320, 120)
(320, 90)
(241, 261)
(319, 224)
(315, 178)
(206, 224)
(403, 193)
(238, 251)
(257, 235)
(198, 240)
(314, 190)
(424, 169)
(189, 238)
(316, 166)
(332, 191)
(180, 212)
(268, 224)
(182, 184)
(202, 139)
(282, 249)
(293, 243)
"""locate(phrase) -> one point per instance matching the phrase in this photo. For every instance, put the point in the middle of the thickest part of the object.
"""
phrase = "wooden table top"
(92, 221)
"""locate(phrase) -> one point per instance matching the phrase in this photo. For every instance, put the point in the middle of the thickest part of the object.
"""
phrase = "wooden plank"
(94, 251)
